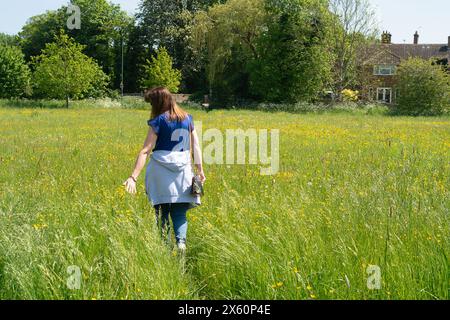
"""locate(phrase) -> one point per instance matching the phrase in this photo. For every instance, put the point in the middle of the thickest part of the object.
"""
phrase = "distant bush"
(349, 95)
(104, 103)
(14, 73)
(424, 88)
(305, 107)
(137, 103)
(134, 103)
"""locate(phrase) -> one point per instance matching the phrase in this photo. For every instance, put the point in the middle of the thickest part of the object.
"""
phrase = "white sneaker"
(181, 246)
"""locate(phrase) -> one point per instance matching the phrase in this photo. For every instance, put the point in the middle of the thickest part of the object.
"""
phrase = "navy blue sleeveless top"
(172, 135)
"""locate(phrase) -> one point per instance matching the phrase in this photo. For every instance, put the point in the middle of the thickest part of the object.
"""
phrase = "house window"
(384, 95)
(384, 70)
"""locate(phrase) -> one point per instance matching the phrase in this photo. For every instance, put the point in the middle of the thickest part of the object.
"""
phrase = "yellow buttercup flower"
(39, 226)
(277, 285)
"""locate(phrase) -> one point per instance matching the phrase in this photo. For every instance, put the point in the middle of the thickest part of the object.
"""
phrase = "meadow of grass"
(353, 190)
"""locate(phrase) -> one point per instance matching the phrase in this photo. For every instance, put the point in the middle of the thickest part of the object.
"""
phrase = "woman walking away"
(168, 179)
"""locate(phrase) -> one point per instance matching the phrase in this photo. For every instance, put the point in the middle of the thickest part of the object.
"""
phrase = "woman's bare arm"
(198, 161)
(149, 144)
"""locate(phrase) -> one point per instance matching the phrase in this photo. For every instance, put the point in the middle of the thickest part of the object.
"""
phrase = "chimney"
(416, 38)
(386, 38)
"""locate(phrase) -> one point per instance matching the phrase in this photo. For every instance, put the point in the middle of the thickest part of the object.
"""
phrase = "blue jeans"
(177, 212)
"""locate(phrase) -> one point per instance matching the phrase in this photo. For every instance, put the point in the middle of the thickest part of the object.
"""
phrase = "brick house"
(380, 61)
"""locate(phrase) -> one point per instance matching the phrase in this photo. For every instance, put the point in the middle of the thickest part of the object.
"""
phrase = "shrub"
(424, 88)
(14, 73)
(349, 95)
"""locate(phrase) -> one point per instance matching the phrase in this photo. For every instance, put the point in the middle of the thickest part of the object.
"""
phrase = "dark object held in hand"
(197, 186)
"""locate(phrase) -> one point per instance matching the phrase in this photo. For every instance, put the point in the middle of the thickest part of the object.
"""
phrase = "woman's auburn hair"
(162, 101)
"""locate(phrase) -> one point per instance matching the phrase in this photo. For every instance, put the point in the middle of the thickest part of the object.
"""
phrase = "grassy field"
(353, 191)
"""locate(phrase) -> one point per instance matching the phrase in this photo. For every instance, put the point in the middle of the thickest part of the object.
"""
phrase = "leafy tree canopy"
(14, 73)
(168, 24)
(271, 50)
(62, 71)
(159, 72)
(9, 40)
(103, 28)
(294, 63)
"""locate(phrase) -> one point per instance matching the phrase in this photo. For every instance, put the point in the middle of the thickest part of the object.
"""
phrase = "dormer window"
(384, 70)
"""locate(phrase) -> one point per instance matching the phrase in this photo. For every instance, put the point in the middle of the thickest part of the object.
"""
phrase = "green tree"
(40, 30)
(104, 28)
(14, 73)
(62, 71)
(353, 27)
(169, 23)
(226, 35)
(271, 50)
(8, 40)
(293, 61)
(160, 72)
(424, 88)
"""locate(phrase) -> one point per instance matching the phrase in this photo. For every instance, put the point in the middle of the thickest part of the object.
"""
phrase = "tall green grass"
(353, 191)
(62, 204)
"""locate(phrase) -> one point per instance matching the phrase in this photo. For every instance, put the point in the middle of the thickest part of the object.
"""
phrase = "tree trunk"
(67, 102)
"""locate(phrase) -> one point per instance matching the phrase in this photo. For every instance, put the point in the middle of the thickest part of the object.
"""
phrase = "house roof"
(425, 51)
(394, 53)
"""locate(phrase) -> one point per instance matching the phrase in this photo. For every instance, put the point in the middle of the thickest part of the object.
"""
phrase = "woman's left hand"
(130, 185)
(202, 176)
